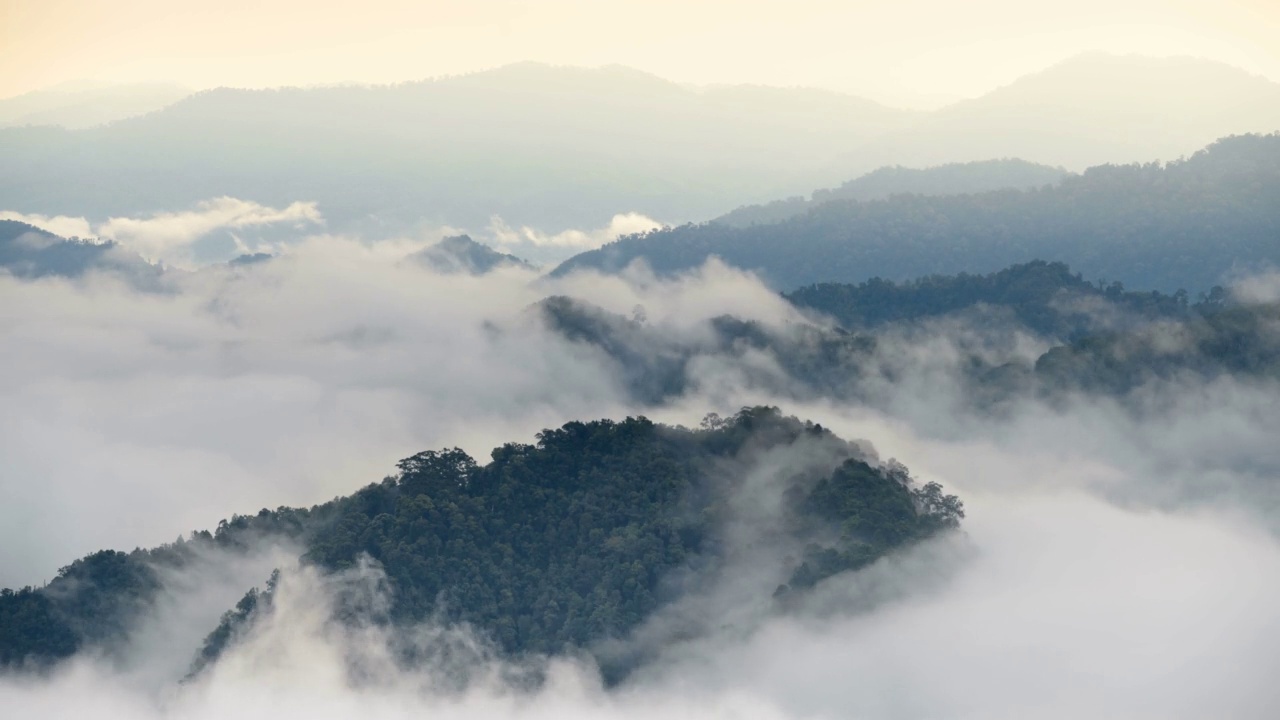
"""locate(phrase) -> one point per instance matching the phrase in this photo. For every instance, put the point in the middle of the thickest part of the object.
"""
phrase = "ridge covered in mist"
(571, 542)
(1111, 446)
(1095, 339)
(76, 106)
(562, 147)
(1179, 225)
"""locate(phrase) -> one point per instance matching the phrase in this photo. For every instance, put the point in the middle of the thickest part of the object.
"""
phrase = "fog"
(1119, 558)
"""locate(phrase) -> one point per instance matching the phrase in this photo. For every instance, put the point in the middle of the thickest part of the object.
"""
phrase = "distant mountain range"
(29, 252)
(557, 148)
(1185, 225)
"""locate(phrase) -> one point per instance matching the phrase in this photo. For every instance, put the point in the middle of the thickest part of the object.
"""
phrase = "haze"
(919, 53)
(631, 360)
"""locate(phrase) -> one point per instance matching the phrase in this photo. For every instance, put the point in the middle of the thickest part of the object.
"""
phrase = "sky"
(1120, 556)
(911, 52)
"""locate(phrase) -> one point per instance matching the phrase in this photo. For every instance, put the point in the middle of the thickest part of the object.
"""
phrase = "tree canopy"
(559, 544)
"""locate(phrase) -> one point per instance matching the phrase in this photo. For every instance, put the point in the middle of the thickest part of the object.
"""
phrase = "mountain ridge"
(1184, 224)
(568, 148)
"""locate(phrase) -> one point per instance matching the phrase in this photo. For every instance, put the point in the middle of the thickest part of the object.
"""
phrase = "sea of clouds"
(1119, 559)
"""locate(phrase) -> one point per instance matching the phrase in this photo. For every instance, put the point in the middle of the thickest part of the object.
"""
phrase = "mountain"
(949, 179)
(29, 252)
(1098, 339)
(571, 542)
(550, 147)
(1046, 298)
(1089, 110)
(1221, 340)
(1185, 224)
(461, 254)
(85, 105)
(564, 148)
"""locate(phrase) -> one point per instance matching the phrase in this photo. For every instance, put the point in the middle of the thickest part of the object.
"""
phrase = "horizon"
(80, 85)
(918, 55)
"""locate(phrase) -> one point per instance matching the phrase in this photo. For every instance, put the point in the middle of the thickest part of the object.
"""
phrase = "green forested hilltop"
(1151, 226)
(562, 543)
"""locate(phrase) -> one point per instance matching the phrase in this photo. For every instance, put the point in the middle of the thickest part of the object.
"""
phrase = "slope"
(1088, 110)
(1186, 224)
(551, 147)
(566, 543)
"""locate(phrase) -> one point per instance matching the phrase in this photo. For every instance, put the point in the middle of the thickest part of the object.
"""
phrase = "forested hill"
(1044, 297)
(949, 179)
(573, 540)
(1101, 339)
(1155, 226)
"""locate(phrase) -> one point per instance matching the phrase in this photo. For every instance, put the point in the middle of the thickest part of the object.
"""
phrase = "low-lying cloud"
(542, 246)
(1118, 560)
(169, 237)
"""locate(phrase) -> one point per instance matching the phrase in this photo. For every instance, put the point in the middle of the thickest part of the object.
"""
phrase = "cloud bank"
(1118, 560)
(170, 237)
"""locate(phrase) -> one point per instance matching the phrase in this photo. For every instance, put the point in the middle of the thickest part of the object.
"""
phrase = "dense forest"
(1180, 225)
(565, 543)
(655, 365)
(1217, 341)
(1101, 338)
(1044, 297)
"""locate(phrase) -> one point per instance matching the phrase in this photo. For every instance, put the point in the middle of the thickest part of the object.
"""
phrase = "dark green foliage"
(1111, 340)
(1042, 296)
(1238, 340)
(96, 594)
(547, 545)
(653, 365)
(559, 544)
(651, 369)
(873, 509)
(231, 622)
(95, 601)
(570, 541)
(90, 602)
(1164, 227)
(31, 630)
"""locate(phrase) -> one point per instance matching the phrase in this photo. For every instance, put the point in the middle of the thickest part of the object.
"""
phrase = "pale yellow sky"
(906, 51)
